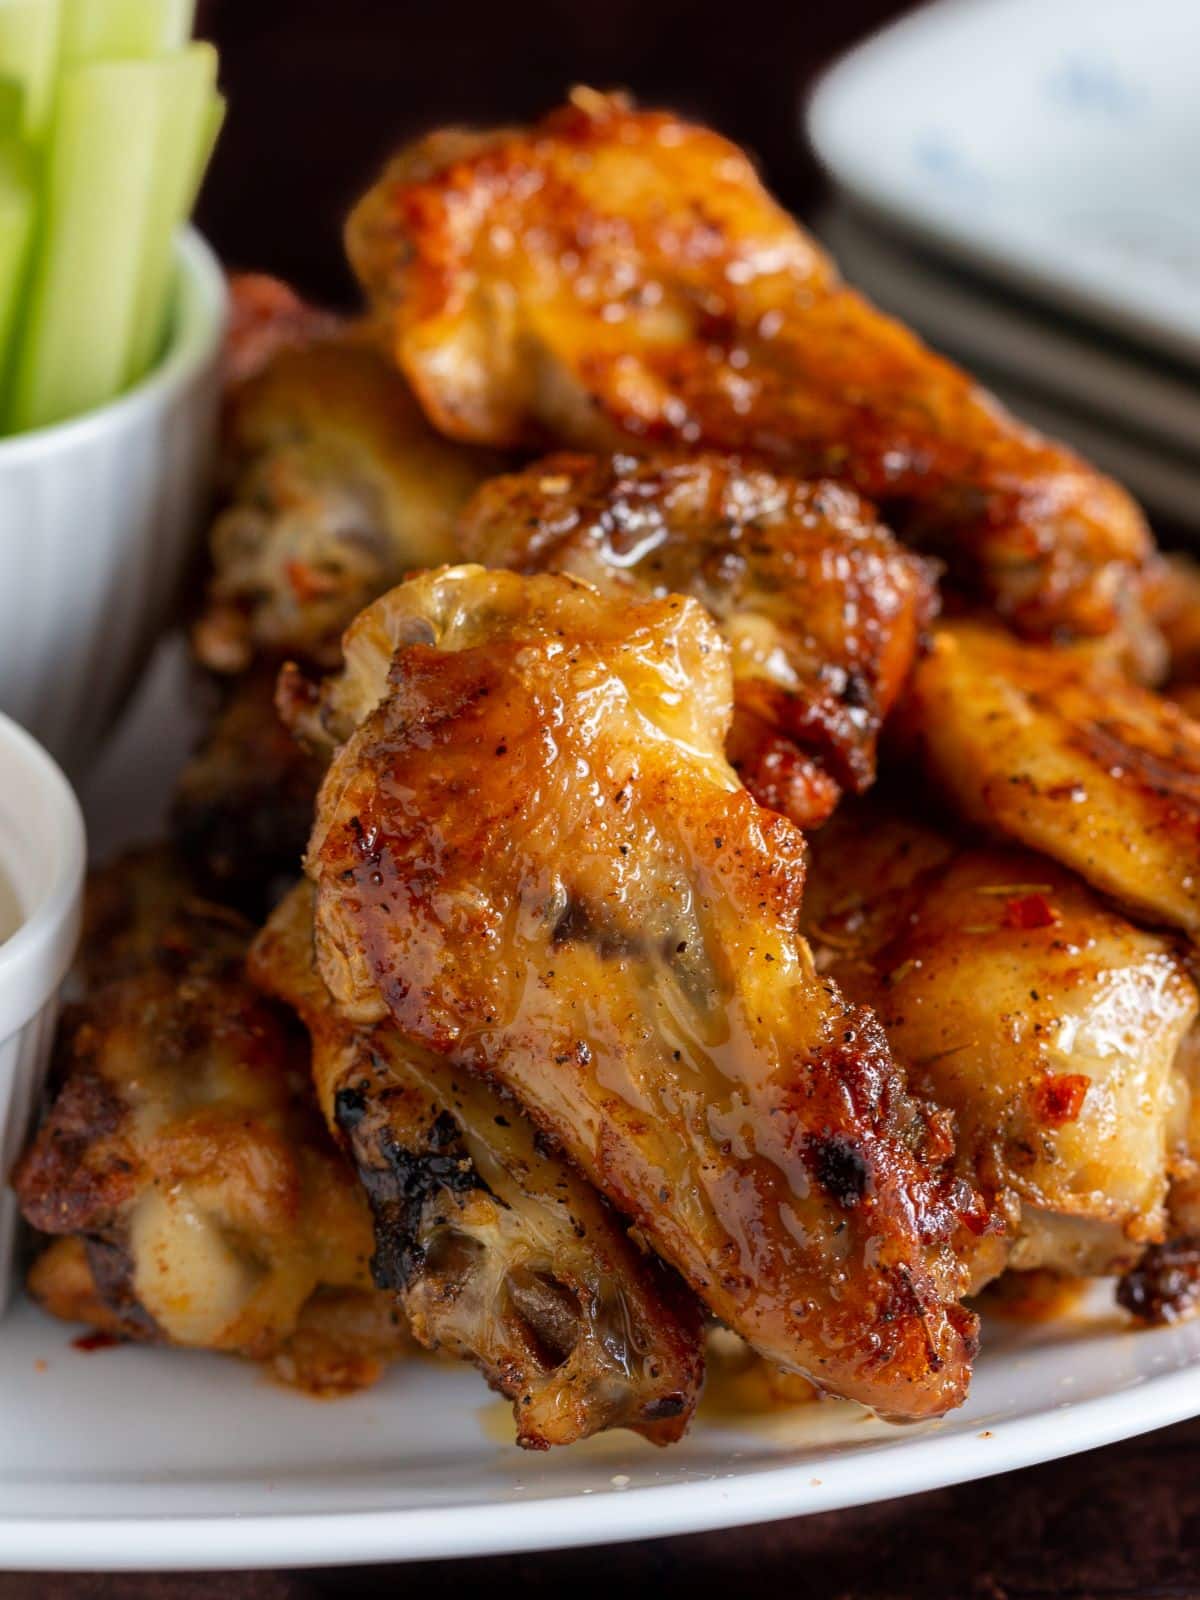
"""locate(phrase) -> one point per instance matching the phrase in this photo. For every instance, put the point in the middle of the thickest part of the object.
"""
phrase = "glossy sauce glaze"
(533, 854)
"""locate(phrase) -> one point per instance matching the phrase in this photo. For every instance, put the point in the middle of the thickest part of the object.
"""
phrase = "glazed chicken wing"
(613, 275)
(822, 609)
(1056, 749)
(182, 1153)
(497, 1250)
(531, 852)
(1046, 1022)
(337, 485)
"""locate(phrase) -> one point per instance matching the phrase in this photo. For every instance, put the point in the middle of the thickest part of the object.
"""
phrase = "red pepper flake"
(1059, 1097)
(1030, 911)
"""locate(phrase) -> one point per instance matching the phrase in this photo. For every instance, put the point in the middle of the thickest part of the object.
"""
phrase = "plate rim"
(297, 1539)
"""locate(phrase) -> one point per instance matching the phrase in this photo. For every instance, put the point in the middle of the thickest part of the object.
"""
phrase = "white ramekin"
(97, 520)
(42, 854)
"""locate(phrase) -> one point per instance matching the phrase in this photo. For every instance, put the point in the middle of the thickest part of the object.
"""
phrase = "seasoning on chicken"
(1056, 749)
(531, 852)
(1045, 1021)
(613, 275)
(822, 609)
(180, 1151)
(497, 1251)
(336, 486)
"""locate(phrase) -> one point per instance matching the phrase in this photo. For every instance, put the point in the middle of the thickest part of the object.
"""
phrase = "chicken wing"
(337, 485)
(531, 851)
(243, 804)
(1056, 749)
(822, 609)
(182, 1151)
(496, 1249)
(613, 275)
(266, 316)
(1045, 1021)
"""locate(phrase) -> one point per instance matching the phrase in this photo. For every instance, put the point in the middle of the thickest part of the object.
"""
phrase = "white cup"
(42, 855)
(97, 521)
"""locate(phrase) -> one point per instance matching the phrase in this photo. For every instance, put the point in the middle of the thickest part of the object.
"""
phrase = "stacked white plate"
(1019, 180)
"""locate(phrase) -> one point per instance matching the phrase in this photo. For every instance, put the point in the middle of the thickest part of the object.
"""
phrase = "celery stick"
(29, 33)
(98, 192)
(16, 230)
(115, 30)
(12, 106)
(184, 125)
(214, 121)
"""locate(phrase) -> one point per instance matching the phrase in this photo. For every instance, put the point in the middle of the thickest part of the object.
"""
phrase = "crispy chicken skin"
(531, 851)
(1056, 749)
(822, 609)
(243, 804)
(336, 485)
(496, 1249)
(1045, 1021)
(182, 1150)
(614, 274)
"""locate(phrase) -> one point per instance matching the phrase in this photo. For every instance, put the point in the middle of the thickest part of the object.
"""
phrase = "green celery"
(29, 38)
(183, 130)
(115, 30)
(16, 230)
(12, 106)
(99, 187)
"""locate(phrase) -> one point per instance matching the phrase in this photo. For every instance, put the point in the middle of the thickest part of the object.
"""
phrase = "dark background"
(320, 91)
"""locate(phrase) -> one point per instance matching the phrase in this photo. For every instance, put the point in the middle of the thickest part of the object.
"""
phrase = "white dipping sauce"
(11, 915)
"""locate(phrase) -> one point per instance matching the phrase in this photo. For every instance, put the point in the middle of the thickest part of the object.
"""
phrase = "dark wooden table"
(320, 90)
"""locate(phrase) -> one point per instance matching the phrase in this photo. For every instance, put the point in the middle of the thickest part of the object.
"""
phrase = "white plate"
(1053, 142)
(142, 1458)
(1117, 412)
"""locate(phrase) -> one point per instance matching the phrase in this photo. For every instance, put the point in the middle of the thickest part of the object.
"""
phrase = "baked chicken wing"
(1056, 749)
(822, 609)
(613, 275)
(531, 851)
(497, 1250)
(1045, 1021)
(184, 1157)
(336, 486)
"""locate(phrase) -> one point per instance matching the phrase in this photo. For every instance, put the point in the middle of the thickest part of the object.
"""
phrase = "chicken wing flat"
(822, 609)
(1045, 1021)
(613, 275)
(183, 1152)
(337, 485)
(496, 1249)
(532, 853)
(1056, 749)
